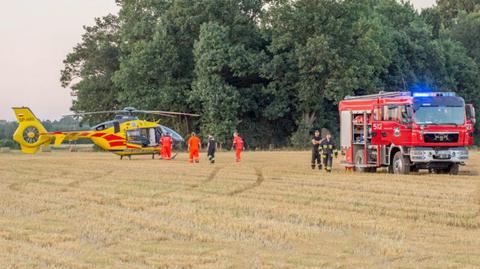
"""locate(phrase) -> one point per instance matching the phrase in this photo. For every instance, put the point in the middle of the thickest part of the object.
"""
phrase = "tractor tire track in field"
(209, 178)
(76, 183)
(258, 182)
(19, 186)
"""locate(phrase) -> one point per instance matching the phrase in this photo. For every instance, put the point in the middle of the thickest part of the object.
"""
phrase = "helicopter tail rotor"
(30, 133)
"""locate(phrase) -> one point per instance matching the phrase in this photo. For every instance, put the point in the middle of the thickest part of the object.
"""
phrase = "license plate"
(443, 156)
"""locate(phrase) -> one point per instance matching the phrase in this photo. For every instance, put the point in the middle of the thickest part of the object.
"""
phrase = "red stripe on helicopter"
(117, 143)
(132, 147)
(113, 137)
(84, 133)
(98, 135)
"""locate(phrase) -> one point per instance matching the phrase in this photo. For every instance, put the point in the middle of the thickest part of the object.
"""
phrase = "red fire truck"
(406, 131)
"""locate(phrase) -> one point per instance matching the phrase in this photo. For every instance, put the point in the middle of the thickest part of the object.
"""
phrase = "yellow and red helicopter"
(125, 135)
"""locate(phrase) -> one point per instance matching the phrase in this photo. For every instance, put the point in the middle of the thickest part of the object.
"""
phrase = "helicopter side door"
(144, 137)
(152, 137)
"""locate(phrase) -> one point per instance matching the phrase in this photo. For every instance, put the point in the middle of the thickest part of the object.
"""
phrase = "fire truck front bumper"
(426, 154)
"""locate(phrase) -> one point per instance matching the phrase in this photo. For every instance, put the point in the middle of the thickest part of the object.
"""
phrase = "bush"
(301, 138)
(9, 143)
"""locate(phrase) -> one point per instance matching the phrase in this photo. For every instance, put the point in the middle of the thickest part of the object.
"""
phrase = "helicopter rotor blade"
(80, 114)
(133, 110)
(168, 113)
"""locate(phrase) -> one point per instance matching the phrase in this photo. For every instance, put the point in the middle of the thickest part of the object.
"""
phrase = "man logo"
(441, 138)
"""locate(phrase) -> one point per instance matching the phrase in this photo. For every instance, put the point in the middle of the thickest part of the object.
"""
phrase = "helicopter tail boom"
(30, 134)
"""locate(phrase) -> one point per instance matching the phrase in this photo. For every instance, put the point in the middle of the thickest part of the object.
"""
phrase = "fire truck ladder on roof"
(377, 95)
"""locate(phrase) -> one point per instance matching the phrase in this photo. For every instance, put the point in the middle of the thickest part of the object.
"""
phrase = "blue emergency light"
(433, 94)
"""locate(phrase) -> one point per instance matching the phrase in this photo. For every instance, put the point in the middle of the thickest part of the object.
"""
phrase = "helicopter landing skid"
(171, 158)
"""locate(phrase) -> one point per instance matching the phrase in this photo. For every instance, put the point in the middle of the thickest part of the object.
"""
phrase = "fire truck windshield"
(439, 110)
(439, 115)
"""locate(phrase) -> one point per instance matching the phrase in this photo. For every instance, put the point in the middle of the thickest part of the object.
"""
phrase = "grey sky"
(419, 4)
(35, 36)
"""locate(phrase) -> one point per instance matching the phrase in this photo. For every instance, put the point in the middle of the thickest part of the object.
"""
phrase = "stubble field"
(91, 210)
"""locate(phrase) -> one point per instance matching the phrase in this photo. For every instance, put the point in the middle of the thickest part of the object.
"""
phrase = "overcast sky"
(35, 36)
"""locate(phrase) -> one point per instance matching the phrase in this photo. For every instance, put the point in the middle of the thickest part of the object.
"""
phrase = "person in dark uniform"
(316, 160)
(328, 151)
(211, 148)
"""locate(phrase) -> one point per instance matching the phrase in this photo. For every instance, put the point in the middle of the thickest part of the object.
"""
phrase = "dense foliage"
(272, 69)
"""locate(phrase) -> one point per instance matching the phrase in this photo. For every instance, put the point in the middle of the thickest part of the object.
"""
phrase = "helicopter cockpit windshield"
(175, 136)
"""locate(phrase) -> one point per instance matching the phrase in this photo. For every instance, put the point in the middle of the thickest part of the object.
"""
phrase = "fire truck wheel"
(400, 164)
(454, 169)
(359, 159)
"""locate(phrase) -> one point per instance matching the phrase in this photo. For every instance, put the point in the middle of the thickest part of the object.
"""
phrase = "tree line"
(272, 69)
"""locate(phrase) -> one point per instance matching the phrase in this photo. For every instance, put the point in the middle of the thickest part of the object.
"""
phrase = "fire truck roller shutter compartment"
(345, 129)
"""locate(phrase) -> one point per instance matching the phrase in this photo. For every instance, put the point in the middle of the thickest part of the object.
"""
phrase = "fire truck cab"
(406, 132)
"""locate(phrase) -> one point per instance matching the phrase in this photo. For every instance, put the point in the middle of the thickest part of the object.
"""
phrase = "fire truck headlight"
(461, 154)
(418, 154)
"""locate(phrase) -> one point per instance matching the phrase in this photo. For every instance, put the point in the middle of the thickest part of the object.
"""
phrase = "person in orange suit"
(194, 145)
(238, 145)
(167, 145)
(162, 147)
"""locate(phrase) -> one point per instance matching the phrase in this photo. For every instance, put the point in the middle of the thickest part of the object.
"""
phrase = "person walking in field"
(238, 145)
(194, 145)
(328, 151)
(316, 160)
(167, 145)
(211, 148)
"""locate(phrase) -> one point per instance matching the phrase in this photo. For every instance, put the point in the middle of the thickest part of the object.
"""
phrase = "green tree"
(219, 101)
(224, 69)
(157, 63)
(449, 9)
(273, 70)
(467, 32)
(331, 50)
(90, 66)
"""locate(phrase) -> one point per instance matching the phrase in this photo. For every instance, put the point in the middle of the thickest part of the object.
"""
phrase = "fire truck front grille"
(440, 138)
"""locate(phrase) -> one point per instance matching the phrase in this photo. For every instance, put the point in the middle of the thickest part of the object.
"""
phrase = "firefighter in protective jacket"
(316, 140)
(328, 151)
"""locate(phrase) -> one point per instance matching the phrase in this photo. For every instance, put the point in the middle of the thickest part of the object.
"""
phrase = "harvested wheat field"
(92, 210)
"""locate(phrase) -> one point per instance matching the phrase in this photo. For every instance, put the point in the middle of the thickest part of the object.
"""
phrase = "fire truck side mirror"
(470, 113)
